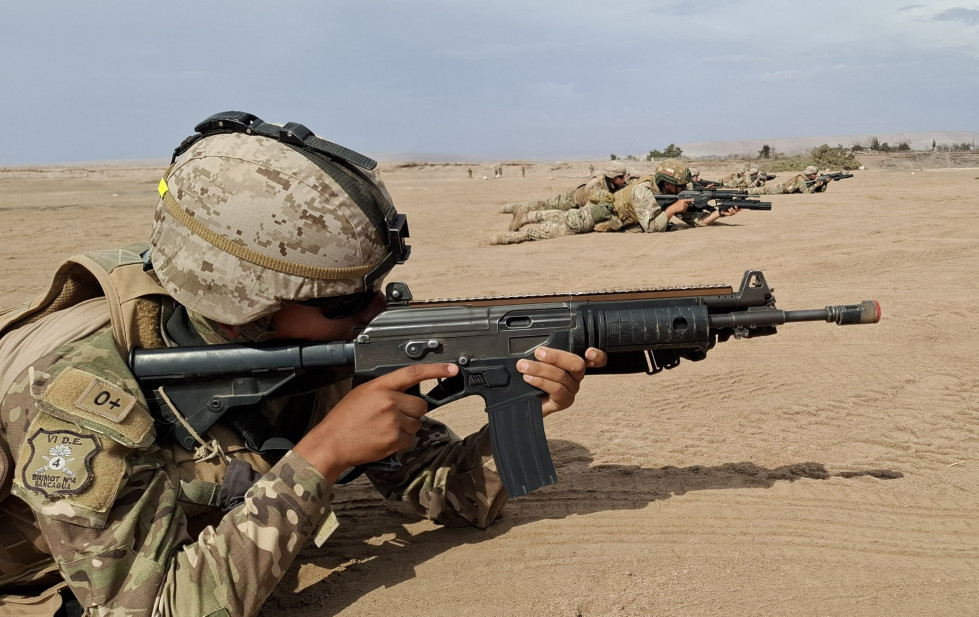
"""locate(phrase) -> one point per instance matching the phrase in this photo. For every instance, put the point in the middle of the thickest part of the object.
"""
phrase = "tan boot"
(509, 237)
(521, 217)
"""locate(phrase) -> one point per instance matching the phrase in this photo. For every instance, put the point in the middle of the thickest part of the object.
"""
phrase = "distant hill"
(747, 148)
(796, 145)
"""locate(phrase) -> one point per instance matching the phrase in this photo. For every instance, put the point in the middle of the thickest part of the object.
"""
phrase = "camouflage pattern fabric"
(797, 184)
(564, 201)
(596, 190)
(276, 227)
(637, 205)
(108, 510)
(736, 180)
(548, 224)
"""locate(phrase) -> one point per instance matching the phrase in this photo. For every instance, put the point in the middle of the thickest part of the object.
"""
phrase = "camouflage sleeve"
(105, 497)
(451, 481)
(144, 559)
(237, 564)
(650, 215)
(600, 195)
(796, 185)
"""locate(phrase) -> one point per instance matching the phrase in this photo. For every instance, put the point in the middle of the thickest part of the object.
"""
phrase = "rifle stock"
(642, 331)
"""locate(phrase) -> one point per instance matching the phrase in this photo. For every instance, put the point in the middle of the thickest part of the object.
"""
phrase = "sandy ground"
(822, 471)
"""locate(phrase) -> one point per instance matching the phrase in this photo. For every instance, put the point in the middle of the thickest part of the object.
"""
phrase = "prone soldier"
(696, 184)
(106, 512)
(806, 182)
(599, 188)
(633, 208)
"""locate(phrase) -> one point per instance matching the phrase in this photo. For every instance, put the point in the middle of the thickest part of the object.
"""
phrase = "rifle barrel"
(867, 311)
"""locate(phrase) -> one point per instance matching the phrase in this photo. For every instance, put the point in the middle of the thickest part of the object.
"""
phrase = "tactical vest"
(117, 275)
(597, 190)
(624, 209)
(133, 301)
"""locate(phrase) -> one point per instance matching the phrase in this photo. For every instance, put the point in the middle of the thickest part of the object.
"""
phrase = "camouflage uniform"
(134, 524)
(754, 179)
(700, 184)
(737, 180)
(637, 205)
(596, 190)
(124, 520)
(547, 224)
(797, 184)
(575, 212)
(634, 205)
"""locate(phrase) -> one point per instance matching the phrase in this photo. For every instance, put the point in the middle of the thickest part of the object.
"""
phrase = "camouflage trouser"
(547, 224)
(558, 202)
(558, 223)
(774, 189)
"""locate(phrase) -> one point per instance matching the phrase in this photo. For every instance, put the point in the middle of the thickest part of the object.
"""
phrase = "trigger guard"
(447, 390)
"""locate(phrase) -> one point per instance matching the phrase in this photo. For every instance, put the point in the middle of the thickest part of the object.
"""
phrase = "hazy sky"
(104, 79)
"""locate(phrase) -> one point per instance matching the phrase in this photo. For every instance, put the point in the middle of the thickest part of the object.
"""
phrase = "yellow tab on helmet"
(162, 187)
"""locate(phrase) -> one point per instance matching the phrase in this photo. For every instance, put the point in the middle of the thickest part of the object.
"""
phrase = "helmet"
(694, 172)
(812, 169)
(672, 171)
(253, 214)
(615, 168)
(753, 170)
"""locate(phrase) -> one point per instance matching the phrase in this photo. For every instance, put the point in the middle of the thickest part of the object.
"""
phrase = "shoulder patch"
(88, 400)
(68, 472)
(59, 462)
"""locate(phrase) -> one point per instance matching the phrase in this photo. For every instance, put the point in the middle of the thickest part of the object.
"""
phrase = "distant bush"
(671, 151)
(962, 147)
(823, 157)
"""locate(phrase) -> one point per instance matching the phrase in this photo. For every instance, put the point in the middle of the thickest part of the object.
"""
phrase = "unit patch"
(59, 462)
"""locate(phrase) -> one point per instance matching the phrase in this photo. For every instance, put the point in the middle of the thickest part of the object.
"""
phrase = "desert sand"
(825, 470)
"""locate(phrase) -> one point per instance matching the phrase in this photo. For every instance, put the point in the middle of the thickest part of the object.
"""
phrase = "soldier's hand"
(559, 374)
(679, 205)
(373, 421)
(730, 211)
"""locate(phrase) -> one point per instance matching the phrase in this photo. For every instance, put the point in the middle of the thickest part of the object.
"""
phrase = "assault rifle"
(701, 185)
(725, 199)
(642, 331)
(766, 177)
(826, 178)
